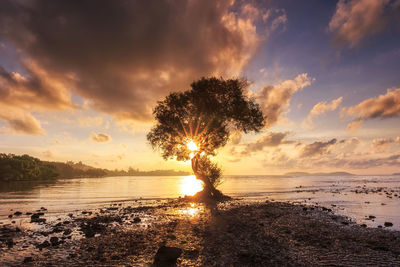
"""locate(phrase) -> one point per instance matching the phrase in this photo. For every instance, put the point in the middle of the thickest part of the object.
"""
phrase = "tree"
(195, 123)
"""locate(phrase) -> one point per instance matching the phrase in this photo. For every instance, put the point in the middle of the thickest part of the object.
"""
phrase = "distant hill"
(295, 174)
(25, 167)
(396, 173)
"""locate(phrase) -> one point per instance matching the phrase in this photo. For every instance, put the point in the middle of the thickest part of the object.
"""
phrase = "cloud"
(354, 20)
(381, 145)
(383, 106)
(361, 163)
(319, 109)
(316, 149)
(90, 121)
(235, 138)
(100, 138)
(354, 126)
(271, 139)
(274, 100)
(20, 122)
(121, 55)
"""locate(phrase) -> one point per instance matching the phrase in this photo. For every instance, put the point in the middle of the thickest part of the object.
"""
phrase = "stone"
(17, 213)
(54, 241)
(67, 232)
(28, 259)
(45, 244)
(167, 256)
(388, 224)
(137, 220)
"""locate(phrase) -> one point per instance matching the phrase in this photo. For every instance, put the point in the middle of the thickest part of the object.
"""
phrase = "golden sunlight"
(192, 146)
(190, 185)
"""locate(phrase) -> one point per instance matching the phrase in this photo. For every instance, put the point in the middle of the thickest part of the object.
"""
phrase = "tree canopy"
(205, 115)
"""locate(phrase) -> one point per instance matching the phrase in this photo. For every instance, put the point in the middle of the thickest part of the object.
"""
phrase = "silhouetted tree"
(193, 124)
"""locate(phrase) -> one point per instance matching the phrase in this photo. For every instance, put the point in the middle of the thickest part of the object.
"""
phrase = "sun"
(192, 146)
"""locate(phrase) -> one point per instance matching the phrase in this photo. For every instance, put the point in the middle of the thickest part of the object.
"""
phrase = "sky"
(79, 79)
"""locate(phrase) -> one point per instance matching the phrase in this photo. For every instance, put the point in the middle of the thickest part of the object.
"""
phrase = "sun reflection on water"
(192, 210)
(190, 185)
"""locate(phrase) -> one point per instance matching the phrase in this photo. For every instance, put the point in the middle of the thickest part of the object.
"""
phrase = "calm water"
(355, 196)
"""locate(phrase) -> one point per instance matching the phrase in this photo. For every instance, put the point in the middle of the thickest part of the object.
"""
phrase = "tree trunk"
(209, 188)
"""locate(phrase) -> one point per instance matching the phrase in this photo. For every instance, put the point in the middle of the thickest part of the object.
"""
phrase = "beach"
(236, 233)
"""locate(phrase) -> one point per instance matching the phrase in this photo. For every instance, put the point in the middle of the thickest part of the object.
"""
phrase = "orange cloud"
(100, 137)
(274, 100)
(316, 148)
(20, 122)
(319, 109)
(355, 19)
(383, 106)
(270, 139)
(354, 126)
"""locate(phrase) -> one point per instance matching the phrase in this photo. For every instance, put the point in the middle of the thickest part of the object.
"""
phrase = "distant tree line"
(19, 168)
(25, 167)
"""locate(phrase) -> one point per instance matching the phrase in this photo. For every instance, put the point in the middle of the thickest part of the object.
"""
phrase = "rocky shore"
(192, 234)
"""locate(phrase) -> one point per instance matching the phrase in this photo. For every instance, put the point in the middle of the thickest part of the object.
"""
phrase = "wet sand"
(231, 233)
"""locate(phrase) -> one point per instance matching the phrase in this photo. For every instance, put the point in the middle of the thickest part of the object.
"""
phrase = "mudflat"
(232, 233)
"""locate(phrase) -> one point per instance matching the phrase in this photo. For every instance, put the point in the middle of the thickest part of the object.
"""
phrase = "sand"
(234, 233)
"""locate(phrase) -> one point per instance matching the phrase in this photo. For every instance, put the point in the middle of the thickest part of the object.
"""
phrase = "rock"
(38, 220)
(10, 216)
(167, 256)
(371, 217)
(137, 220)
(45, 244)
(388, 224)
(57, 230)
(17, 213)
(10, 243)
(66, 222)
(363, 225)
(67, 232)
(54, 241)
(28, 259)
(28, 213)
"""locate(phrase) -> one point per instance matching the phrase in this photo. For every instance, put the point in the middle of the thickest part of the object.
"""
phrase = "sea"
(370, 200)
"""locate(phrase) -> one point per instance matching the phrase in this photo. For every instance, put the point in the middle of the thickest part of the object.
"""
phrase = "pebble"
(388, 224)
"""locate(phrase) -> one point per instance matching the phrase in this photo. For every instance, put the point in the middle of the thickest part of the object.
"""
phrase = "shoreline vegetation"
(27, 168)
(186, 233)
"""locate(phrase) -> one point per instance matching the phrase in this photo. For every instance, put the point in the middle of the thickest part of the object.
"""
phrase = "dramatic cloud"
(271, 139)
(316, 148)
(356, 19)
(384, 106)
(100, 138)
(319, 109)
(275, 100)
(20, 122)
(121, 55)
